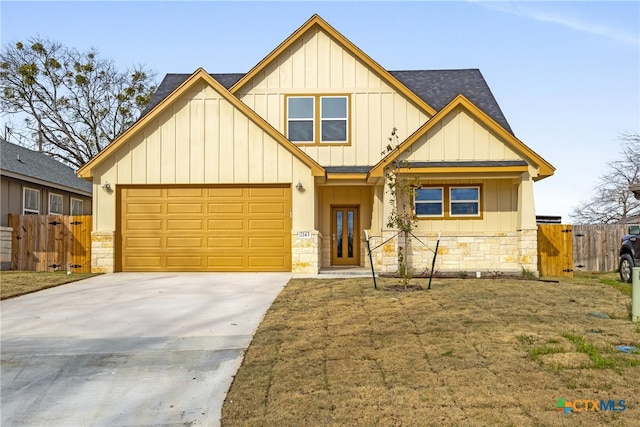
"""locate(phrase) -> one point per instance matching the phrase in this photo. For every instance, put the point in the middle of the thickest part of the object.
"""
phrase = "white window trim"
(451, 201)
(321, 119)
(317, 119)
(441, 202)
(26, 210)
(71, 206)
(52, 195)
(302, 119)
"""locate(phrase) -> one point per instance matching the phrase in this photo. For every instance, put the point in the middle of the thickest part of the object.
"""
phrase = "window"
(31, 198)
(76, 206)
(464, 201)
(449, 201)
(300, 113)
(55, 204)
(333, 119)
(429, 201)
(318, 119)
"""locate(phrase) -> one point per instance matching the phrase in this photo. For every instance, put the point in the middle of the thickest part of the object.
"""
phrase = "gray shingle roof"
(436, 87)
(473, 163)
(32, 165)
(347, 169)
(172, 81)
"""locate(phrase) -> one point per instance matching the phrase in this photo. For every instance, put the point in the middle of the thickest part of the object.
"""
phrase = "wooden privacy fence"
(596, 246)
(51, 242)
(563, 249)
(555, 250)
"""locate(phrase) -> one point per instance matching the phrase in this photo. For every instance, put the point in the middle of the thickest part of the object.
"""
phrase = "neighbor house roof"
(435, 87)
(38, 168)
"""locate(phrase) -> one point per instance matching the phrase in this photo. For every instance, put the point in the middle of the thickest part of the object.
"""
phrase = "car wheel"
(626, 266)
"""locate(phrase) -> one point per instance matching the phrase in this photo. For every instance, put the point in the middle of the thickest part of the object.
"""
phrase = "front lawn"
(473, 352)
(16, 283)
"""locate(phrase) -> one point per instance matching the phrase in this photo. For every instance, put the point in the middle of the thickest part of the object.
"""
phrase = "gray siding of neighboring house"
(11, 193)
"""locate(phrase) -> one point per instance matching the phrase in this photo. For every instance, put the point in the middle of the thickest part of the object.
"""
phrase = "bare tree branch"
(612, 200)
(76, 102)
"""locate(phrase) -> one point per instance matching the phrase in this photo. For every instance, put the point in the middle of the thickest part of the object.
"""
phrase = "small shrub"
(528, 274)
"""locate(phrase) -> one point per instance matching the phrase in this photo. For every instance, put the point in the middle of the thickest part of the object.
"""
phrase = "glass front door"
(345, 236)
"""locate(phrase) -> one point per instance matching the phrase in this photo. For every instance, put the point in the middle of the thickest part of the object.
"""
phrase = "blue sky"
(565, 73)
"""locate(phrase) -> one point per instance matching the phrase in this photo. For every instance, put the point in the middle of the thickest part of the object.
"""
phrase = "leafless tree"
(612, 201)
(71, 104)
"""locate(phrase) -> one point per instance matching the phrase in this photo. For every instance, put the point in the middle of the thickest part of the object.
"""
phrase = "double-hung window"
(429, 202)
(300, 118)
(464, 201)
(448, 201)
(76, 206)
(55, 204)
(31, 201)
(318, 119)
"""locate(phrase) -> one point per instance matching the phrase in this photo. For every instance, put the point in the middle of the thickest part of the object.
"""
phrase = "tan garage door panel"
(205, 228)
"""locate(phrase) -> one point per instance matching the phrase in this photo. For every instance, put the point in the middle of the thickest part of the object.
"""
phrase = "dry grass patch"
(474, 352)
(16, 283)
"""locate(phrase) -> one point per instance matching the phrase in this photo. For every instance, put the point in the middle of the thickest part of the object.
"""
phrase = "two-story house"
(283, 168)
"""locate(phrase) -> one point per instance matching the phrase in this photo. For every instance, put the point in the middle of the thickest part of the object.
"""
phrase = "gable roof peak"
(347, 45)
(187, 82)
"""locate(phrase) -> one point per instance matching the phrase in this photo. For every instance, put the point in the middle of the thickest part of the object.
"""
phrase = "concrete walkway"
(127, 349)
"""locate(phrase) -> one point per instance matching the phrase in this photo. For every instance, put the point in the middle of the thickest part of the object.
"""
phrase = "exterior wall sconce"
(300, 187)
(106, 187)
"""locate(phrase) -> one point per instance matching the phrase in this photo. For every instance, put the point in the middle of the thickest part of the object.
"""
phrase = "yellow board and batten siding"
(460, 138)
(199, 141)
(191, 228)
(185, 149)
(318, 64)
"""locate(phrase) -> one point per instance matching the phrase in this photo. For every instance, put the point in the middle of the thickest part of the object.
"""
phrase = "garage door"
(187, 228)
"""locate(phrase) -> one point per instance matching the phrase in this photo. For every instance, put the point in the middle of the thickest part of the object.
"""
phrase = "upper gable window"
(318, 119)
(300, 119)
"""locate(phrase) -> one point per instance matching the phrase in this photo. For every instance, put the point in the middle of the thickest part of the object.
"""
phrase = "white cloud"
(525, 10)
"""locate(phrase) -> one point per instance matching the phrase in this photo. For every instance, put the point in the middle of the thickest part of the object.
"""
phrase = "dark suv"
(629, 253)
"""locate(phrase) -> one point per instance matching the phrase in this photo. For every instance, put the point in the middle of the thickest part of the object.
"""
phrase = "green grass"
(615, 362)
(623, 287)
(536, 352)
(584, 346)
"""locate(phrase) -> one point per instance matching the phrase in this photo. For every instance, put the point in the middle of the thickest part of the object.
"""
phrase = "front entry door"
(345, 235)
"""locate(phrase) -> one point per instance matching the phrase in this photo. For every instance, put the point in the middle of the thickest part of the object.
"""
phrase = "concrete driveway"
(129, 349)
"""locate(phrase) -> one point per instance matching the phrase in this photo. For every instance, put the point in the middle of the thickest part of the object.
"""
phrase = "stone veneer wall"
(503, 252)
(528, 247)
(5, 247)
(305, 253)
(510, 253)
(325, 252)
(102, 251)
(385, 257)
